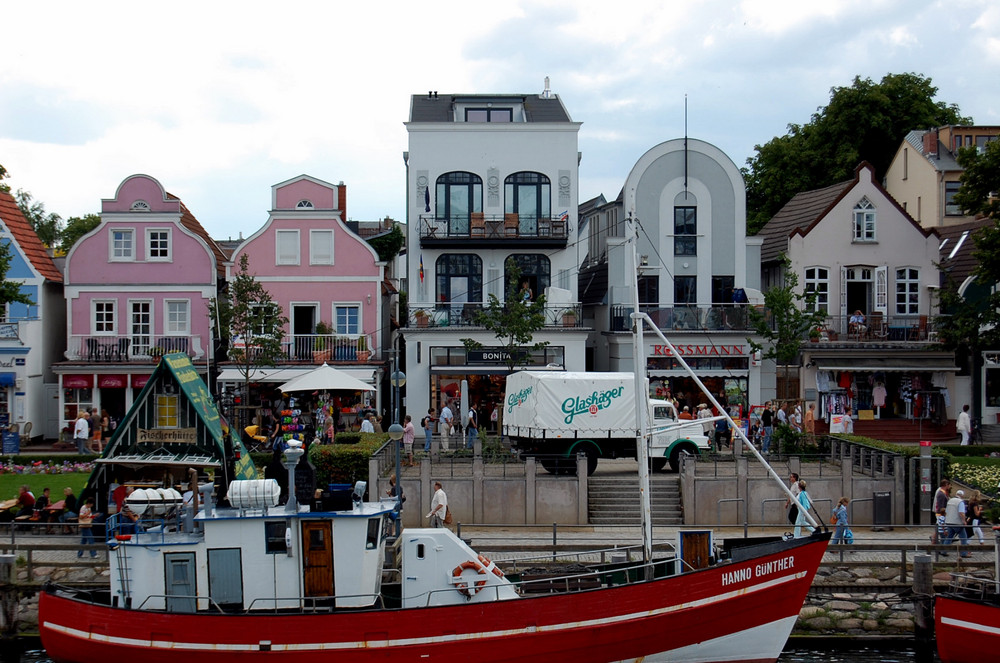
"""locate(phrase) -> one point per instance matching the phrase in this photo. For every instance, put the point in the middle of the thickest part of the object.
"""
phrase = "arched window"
(459, 278)
(139, 206)
(459, 194)
(864, 221)
(535, 269)
(304, 204)
(529, 196)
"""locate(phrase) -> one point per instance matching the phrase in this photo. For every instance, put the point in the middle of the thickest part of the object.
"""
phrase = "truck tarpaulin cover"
(598, 404)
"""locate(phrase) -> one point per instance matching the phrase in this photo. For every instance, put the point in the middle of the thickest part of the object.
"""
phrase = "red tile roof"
(27, 238)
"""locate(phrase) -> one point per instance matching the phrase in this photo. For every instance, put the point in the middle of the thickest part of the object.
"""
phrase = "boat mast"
(641, 402)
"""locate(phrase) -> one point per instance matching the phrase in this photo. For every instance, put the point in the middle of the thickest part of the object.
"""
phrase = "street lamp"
(398, 379)
(396, 434)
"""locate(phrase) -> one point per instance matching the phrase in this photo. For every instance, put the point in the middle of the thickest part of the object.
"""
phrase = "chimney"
(546, 93)
(342, 199)
(930, 143)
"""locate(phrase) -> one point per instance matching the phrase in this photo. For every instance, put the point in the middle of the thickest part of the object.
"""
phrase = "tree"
(251, 323)
(10, 291)
(387, 245)
(864, 122)
(980, 182)
(3, 175)
(787, 320)
(513, 321)
(47, 225)
(76, 227)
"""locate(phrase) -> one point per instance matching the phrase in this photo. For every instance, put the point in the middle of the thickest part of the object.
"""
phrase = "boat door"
(180, 582)
(317, 557)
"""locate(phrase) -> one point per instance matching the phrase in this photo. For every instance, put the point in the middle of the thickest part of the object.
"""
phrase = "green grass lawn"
(9, 484)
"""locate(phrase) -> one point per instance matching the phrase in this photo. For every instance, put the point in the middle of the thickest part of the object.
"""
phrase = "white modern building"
(489, 178)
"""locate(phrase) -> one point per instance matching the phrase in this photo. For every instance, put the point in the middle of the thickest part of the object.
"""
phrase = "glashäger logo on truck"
(598, 400)
(514, 400)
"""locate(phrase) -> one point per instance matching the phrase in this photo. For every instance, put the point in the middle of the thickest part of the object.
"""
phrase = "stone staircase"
(615, 500)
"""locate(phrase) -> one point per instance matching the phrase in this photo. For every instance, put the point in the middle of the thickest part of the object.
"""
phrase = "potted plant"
(814, 335)
(322, 342)
(363, 352)
(422, 317)
(569, 317)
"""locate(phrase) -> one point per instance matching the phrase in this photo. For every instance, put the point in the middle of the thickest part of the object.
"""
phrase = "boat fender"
(485, 561)
(468, 588)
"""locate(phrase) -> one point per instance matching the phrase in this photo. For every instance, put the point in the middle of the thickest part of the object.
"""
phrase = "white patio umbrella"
(325, 378)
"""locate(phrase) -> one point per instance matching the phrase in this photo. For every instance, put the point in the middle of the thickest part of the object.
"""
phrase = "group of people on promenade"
(91, 430)
(465, 428)
(43, 510)
(801, 505)
(958, 517)
(774, 416)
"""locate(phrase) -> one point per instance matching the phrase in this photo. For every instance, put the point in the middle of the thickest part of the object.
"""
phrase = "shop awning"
(8, 379)
(282, 375)
(886, 364)
(708, 373)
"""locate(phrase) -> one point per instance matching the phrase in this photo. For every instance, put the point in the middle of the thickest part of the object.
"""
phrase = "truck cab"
(671, 436)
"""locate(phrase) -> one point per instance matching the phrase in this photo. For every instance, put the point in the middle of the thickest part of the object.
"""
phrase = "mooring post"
(923, 592)
(9, 645)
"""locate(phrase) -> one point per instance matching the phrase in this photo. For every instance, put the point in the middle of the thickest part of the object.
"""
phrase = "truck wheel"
(551, 465)
(591, 463)
(657, 464)
(675, 458)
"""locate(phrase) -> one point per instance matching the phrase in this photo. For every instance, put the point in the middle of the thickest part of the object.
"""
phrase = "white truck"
(555, 415)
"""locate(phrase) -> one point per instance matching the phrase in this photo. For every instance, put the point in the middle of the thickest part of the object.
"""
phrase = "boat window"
(317, 541)
(420, 551)
(274, 537)
(374, 527)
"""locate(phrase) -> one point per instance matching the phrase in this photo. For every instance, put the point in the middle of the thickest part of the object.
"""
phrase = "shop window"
(992, 387)
(75, 401)
(167, 411)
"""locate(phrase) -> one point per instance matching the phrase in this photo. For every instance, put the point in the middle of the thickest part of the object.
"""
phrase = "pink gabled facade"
(137, 286)
(321, 274)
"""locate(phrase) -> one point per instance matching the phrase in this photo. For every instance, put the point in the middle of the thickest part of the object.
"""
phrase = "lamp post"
(398, 379)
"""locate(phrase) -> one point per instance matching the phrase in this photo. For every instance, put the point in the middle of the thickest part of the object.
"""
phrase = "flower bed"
(9, 466)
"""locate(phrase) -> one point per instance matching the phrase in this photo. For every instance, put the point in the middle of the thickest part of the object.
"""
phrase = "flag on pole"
(421, 267)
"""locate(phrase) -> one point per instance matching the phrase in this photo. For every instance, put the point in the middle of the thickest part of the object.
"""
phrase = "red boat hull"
(730, 612)
(967, 630)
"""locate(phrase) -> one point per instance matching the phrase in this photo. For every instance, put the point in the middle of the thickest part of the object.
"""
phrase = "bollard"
(923, 592)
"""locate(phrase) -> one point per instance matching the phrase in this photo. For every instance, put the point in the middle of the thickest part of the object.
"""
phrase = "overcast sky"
(221, 100)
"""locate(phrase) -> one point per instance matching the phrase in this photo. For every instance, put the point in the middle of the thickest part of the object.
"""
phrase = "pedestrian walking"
(81, 431)
(955, 520)
(767, 422)
(446, 422)
(85, 520)
(439, 507)
(790, 504)
(427, 423)
(805, 503)
(408, 435)
(472, 427)
(840, 520)
(964, 425)
(810, 423)
(940, 504)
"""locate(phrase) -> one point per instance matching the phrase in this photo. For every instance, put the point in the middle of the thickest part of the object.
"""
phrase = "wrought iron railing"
(465, 314)
(493, 227)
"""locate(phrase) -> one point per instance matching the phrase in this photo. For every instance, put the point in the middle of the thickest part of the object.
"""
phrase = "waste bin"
(881, 508)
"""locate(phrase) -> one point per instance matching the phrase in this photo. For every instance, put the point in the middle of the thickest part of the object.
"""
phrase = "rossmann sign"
(693, 350)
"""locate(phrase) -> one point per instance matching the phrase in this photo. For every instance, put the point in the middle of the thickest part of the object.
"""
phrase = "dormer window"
(139, 206)
(864, 221)
(489, 115)
(304, 204)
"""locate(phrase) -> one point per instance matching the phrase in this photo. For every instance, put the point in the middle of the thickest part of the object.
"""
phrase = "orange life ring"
(469, 589)
(486, 563)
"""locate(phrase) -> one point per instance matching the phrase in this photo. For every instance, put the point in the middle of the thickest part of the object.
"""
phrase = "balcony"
(488, 231)
(879, 329)
(463, 314)
(722, 317)
(132, 348)
(328, 348)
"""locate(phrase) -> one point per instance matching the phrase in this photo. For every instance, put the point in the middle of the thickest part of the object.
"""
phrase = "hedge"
(345, 463)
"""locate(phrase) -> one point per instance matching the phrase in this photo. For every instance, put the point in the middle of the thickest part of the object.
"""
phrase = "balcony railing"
(725, 317)
(877, 327)
(497, 227)
(132, 348)
(463, 314)
(329, 348)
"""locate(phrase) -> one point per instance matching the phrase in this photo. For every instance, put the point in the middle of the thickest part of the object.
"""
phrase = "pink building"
(137, 286)
(326, 279)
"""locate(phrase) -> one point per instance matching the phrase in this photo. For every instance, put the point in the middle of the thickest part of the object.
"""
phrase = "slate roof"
(798, 213)
(961, 265)
(944, 161)
(424, 108)
(189, 221)
(27, 238)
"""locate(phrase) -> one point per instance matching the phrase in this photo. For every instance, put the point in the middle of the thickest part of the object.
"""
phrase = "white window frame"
(822, 302)
(863, 221)
(139, 349)
(168, 322)
(911, 287)
(114, 317)
(288, 259)
(149, 245)
(112, 257)
(316, 239)
(336, 323)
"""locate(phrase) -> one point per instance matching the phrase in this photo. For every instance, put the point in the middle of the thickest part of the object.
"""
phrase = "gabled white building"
(489, 178)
